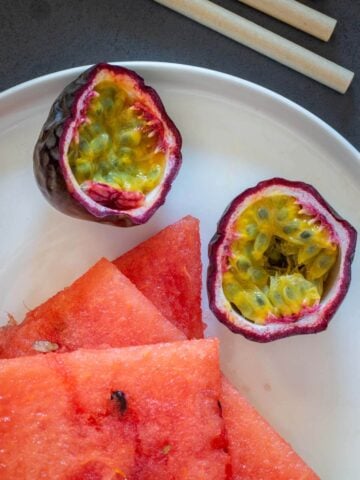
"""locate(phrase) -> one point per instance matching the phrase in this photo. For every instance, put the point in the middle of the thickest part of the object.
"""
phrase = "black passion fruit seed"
(119, 397)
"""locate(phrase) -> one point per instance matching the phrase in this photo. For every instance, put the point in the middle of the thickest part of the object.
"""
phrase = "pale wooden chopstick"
(263, 41)
(297, 15)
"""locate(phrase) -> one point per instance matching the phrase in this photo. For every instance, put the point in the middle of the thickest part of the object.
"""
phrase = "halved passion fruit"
(280, 261)
(108, 151)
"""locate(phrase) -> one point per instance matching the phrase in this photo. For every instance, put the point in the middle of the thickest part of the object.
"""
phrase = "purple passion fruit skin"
(108, 151)
(280, 261)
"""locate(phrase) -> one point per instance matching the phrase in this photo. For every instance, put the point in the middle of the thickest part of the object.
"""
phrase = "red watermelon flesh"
(167, 269)
(236, 409)
(257, 451)
(57, 419)
(278, 460)
(102, 308)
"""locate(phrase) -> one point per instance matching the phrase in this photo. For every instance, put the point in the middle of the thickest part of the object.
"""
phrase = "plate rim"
(302, 117)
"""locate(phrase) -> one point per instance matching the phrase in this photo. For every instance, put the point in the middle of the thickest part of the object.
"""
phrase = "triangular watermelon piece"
(138, 413)
(147, 267)
(102, 308)
(238, 414)
(167, 269)
(257, 451)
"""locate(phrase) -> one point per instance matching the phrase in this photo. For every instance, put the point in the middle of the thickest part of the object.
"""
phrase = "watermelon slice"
(102, 308)
(138, 413)
(167, 269)
(237, 411)
(257, 451)
(265, 455)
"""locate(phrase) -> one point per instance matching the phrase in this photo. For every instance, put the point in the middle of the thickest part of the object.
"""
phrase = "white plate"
(235, 134)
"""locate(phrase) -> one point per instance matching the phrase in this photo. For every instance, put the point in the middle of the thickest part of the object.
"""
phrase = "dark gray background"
(43, 36)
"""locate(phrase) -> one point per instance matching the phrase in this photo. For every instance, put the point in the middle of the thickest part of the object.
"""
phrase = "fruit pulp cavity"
(278, 260)
(119, 143)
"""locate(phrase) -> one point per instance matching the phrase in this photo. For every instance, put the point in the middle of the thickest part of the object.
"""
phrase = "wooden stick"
(297, 15)
(263, 41)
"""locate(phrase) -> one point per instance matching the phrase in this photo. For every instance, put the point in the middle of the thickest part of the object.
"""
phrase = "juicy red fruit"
(166, 431)
(111, 197)
(101, 308)
(166, 268)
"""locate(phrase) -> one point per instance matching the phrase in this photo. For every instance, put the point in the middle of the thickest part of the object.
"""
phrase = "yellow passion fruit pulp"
(118, 143)
(278, 261)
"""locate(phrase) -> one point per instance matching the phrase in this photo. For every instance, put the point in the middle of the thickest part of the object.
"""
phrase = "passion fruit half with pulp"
(108, 151)
(280, 261)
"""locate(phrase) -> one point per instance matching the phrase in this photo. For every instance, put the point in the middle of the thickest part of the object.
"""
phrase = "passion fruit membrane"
(108, 151)
(280, 261)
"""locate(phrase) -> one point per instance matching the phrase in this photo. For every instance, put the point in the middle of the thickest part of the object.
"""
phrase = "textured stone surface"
(42, 36)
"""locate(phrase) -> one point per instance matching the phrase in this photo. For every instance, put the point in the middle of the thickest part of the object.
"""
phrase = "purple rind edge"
(286, 330)
(47, 156)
